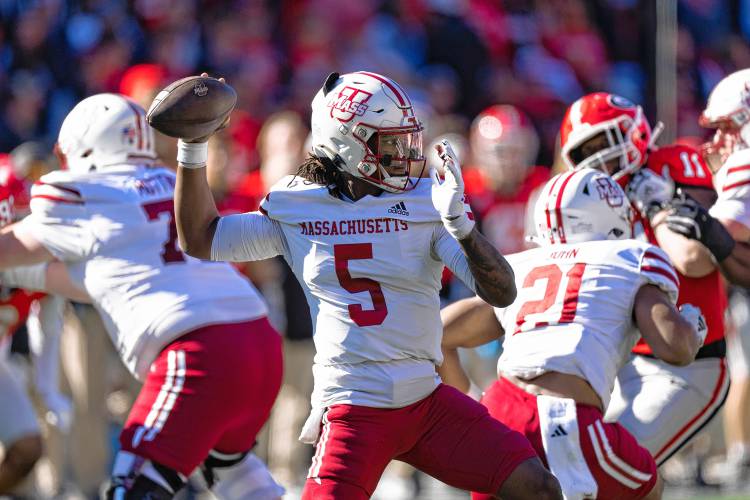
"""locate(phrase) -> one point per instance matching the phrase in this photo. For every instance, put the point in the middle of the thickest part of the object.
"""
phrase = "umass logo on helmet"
(349, 103)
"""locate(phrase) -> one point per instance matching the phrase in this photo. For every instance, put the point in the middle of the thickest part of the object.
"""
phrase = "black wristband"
(717, 239)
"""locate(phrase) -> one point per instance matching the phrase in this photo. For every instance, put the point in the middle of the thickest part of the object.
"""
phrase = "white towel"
(311, 429)
(558, 421)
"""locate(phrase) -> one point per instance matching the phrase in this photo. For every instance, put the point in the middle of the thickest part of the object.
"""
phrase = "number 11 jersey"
(574, 309)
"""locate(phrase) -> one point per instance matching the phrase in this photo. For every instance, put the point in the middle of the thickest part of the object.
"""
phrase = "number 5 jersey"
(371, 273)
(574, 310)
(115, 231)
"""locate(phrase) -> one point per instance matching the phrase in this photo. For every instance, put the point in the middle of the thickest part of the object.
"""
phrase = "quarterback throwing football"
(368, 243)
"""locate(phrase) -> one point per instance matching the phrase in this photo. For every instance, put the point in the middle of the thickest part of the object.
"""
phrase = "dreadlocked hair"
(322, 170)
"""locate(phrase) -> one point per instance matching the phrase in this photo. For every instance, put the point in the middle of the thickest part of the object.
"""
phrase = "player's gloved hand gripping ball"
(448, 196)
(192, 109)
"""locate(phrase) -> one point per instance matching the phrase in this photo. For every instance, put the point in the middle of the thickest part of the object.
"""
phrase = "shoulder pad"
(57, 187)
(656, 269)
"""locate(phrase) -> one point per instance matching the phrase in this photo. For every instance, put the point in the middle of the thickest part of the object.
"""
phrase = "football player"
(19, 432)
(368, 244)
(725, 231)
(570, 329)
(208, 358)
(609, 133)
(504, 147)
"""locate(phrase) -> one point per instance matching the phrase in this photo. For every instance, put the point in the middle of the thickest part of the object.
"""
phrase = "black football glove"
(691, 220)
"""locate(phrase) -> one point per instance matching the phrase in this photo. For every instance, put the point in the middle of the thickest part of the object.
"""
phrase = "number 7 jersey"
(115, 231)
(574, 309)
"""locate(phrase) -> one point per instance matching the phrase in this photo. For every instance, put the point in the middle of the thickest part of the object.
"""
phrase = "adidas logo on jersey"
(399, 208)
(559, 432)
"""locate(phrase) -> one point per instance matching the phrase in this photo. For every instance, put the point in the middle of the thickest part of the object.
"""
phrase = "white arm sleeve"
(447, 249)
(26, 277)
(249, 236)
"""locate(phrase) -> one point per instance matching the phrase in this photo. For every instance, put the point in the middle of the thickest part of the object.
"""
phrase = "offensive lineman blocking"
(109, 219)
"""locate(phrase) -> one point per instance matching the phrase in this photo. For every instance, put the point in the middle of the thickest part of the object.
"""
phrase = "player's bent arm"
(469, 323)
(493, 276)
(19, 248)
(52, 277)
(58, 282)
(195, 212)
(689, 257)
(670, 336)
(452, 372)
(466, 323)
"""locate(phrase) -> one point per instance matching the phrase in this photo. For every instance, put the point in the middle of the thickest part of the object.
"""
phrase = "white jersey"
(732, 184)
(371, 272)
(115, 230)
(574, 310)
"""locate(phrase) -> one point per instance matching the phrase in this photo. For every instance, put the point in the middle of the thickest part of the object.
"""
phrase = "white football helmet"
(582, 205)
(365, 124)
(728, 111)
(105, 130)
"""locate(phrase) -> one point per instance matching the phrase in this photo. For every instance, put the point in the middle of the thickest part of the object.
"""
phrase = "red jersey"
(14, 303)
(13, 188)
(686, 167)
(502, 218)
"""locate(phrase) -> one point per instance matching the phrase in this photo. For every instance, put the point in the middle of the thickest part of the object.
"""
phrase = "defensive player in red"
(19, 432)
(504, 146)
(610, 133)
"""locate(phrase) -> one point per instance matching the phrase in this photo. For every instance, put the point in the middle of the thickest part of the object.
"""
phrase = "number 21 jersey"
(574, 309)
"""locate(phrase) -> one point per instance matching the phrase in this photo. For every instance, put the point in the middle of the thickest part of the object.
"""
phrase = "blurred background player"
(503, 174)
(190, 348)
(571, 329)
(609, 133)
(20, 436)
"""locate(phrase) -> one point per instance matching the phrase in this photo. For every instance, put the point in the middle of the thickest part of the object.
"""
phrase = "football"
(192, 107)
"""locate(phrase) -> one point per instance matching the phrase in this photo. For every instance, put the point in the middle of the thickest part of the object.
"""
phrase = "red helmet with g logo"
(624, 135)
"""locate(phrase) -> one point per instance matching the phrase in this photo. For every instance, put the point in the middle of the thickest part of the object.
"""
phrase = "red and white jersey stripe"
(58, 192)
(614, 466)
(657, 269)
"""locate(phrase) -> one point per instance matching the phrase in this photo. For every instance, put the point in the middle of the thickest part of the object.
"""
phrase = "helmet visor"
(396, 151)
